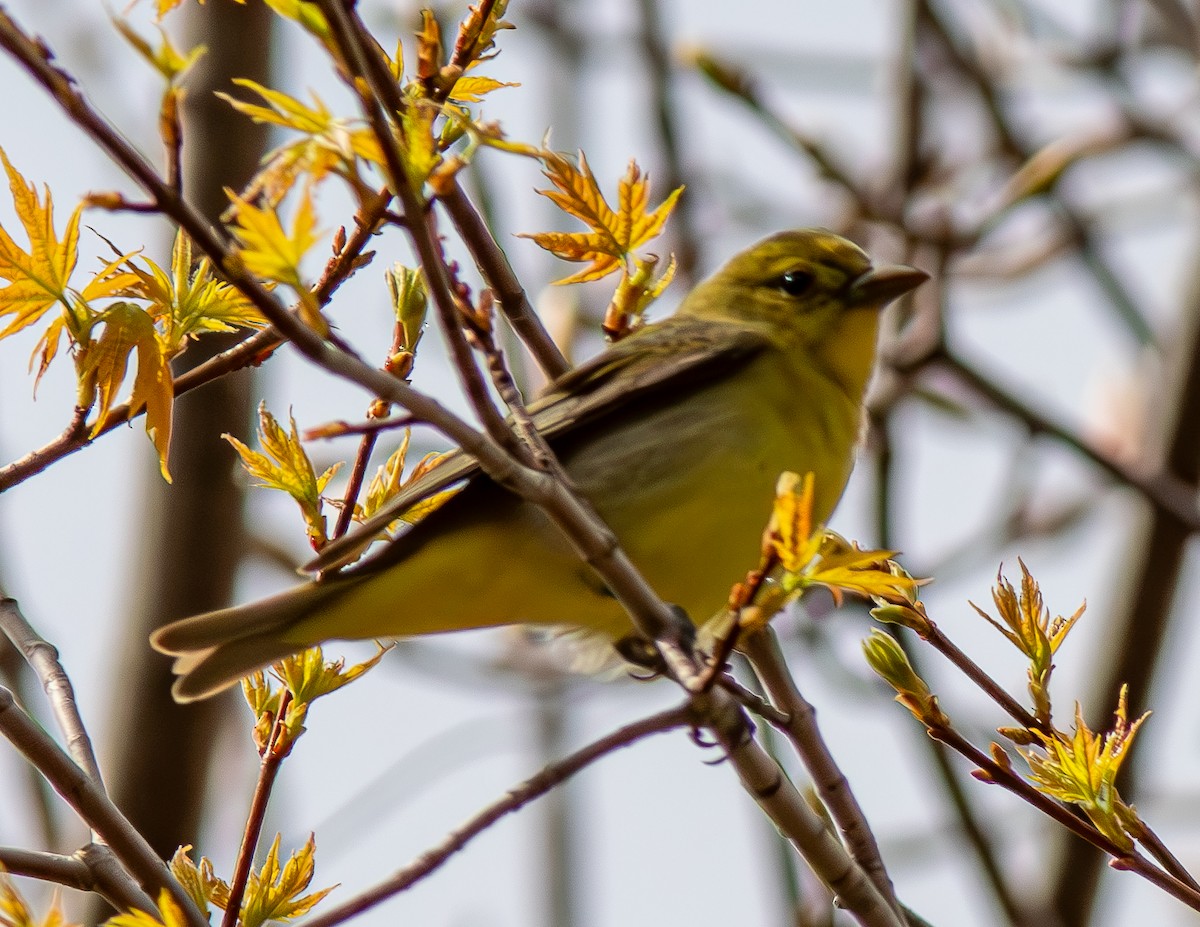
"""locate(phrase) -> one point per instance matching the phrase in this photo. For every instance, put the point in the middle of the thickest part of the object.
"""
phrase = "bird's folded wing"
(666, 355)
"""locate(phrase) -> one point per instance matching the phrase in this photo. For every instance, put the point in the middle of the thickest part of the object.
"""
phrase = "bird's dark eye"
(795, 282)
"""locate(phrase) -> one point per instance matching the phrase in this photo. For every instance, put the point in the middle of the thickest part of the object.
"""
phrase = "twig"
(85, 871)
(1168, 860)
(358, 472)
(753, 702)
(1118, 295)
(997, 693)
(93, 806)
(371, 426)
(656, 55)
(268, 770)
(766, 657)
(250, 351)
(498, 274)
(1166, 491)
(42, 656)
(1078, 825)
(515, 799)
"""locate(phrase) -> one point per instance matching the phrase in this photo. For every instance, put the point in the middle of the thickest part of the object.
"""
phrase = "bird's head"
(811, 288)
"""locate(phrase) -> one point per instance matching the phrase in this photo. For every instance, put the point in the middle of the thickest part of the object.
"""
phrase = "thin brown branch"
(1120, 859)
(1164, 490)
(273, 755)
(498, 274)
(358, 472)
(371, 426)
(93, 806)
(753, 702)
(515, 799)
(252, 351)
(656, 56)
(42, 656)
(997, 693)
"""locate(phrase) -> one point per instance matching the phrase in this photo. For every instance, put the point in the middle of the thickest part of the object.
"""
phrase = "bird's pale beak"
(880, 285)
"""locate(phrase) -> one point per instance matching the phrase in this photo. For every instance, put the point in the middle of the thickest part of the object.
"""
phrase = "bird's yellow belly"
(694, 536)
(689, 511)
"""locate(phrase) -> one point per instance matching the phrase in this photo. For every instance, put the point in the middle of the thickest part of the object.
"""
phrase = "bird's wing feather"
(678, 350)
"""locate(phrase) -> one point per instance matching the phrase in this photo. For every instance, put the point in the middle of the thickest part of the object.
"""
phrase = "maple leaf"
(389, 481)
(169, 915)
(171, 63)
(104, 361)
(15, 911)
(267, 249)
(327, 143)
(37, 277)
(274, 894)
(199, 881)
(188, 299)
(286, 466)
(309, 676)
(1081, 769)
(614, 234)
(472, 88)
(275, 254)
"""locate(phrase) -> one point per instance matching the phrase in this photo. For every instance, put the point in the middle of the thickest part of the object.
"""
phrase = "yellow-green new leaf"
(105, 361)
(1082, 769)
(389, 481)
(420, 144)
(171, 63)
(267, 249)
(274, 894)
(306, 14)
(282, 109)
(169, 914)
(37, 278)
(329, 143)
(286, 466)
(410, 302)
(264, 700)
(15, 911)
(199, 881)
(189, 299)
(615, 234)
(472, 89)
(791, 522)
(309, 676)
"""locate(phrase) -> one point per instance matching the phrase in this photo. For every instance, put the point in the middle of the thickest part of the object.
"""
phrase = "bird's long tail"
(216, 649)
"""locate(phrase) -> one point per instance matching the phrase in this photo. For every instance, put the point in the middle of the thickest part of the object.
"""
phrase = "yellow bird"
(675, 434)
